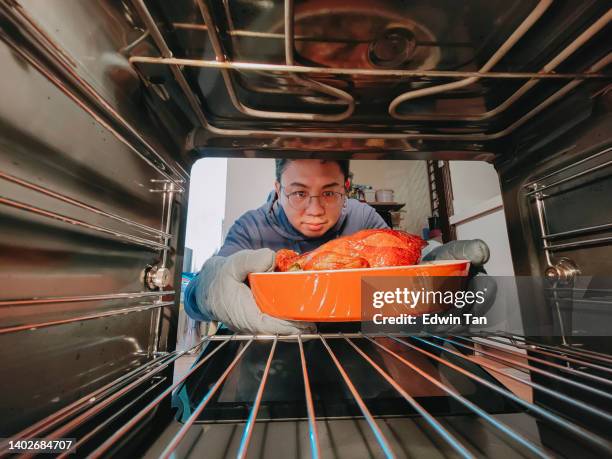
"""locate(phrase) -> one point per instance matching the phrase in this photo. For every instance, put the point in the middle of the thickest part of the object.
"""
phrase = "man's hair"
(281, 165)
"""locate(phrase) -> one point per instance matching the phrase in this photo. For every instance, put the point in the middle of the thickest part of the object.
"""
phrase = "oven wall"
(49, 265)
(564, 140)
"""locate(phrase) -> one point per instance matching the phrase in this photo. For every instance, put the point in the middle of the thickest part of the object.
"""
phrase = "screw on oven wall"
(156, 277)
(564, 271)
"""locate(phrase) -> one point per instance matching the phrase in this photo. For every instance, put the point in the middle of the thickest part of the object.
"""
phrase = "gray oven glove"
(221, 294)
(477, 252)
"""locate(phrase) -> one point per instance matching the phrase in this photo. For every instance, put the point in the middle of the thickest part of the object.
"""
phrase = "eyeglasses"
(300, 200)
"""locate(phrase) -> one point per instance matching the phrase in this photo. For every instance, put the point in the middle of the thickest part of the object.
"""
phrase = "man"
(307, 208)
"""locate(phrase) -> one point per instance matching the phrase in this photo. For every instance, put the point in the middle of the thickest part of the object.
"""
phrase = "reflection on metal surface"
(248, 428)
(18, 14)
(192, 418)
(367, 355)
(114, 312)
(543, 189)
(256, 66)
(105, 402)
(373, 135)
(380, 437)
(80, 298)
(146, 229)
(537, 12)
(229, 82)
(580, 41)
(124, 237)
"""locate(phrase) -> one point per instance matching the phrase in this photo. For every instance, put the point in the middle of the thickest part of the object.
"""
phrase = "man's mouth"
(314, 226)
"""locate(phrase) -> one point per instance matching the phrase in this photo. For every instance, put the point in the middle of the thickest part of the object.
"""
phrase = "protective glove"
(477, 252)
(222, 295)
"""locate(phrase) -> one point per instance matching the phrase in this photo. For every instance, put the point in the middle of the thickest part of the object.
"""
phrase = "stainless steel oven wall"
(558, 203)
(82, 208)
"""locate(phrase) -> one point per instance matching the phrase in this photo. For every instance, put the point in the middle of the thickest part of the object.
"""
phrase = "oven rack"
(298, 73)
(567, 373)
(548, 185)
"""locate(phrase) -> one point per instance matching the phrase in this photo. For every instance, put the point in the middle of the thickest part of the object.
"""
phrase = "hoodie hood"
(278, 221)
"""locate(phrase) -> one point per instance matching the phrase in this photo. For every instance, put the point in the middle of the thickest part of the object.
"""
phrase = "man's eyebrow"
(297, 184)
(329, 185)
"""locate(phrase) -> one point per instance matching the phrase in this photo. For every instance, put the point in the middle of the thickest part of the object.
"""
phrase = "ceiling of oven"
(364, 41)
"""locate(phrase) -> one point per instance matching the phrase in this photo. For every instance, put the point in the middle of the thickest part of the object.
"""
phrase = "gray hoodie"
(268, 226)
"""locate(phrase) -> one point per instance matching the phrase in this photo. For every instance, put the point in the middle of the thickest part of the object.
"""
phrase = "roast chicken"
(370, 248)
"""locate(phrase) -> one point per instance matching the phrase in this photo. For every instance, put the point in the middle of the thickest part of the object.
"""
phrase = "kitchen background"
(223, 189)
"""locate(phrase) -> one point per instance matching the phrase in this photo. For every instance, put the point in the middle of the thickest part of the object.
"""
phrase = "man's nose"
(315, 207)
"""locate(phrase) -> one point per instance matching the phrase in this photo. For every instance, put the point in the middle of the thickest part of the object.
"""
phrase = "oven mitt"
(221, 294)
(477, 252)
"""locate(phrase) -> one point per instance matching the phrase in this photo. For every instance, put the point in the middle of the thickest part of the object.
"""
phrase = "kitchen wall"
(479, 211)
(408, 179)
(206, 209)
(250, 180)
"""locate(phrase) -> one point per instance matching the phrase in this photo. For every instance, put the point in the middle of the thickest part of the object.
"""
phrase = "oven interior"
(106, 105)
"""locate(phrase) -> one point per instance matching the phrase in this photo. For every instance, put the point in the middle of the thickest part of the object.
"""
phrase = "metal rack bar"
(250, 424)
(565, 358)
(529, 368)
(98, 407)
(554, 63)
(98, 452)
(570, 245)
(165, 51)
(342, 96)
(577, 430)
(83, 298)
(553, 393)
(580, 301)
(82, 440)
(303, 336)
(259, 66)
(60, 416)
(279, 36)
(571, 177)
(114, 312)
(520, 31)
(229, 82)
(439, 428)
(167, 452)
(570, 166)
(124, 237)
(361, 135)
(82, 205)
(465, 402)
(382, 441)
(565, 349)
(533, 409)
(17, 13)
(578, 231)
(562, 368)
(312, 426)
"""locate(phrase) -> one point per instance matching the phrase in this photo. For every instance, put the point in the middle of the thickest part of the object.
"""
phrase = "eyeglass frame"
(321, 203)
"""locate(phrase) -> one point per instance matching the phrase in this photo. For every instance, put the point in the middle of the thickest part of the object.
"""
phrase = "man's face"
(311, 177)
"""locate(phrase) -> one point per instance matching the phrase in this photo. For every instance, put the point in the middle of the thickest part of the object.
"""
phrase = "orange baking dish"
(333, 295)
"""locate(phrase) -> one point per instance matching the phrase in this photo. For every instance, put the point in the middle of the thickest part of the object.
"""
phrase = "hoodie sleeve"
(238, 238)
